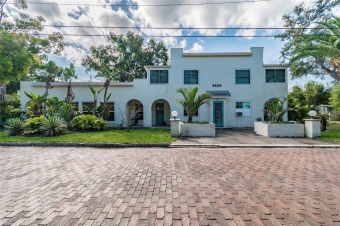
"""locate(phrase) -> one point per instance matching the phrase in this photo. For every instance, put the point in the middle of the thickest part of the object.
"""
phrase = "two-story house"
(240, 84)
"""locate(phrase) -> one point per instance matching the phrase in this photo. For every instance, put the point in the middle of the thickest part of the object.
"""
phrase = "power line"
(152, 5)
(179, 36)
(179, 28)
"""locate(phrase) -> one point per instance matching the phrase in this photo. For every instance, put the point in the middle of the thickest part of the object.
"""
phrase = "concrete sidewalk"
(247, 138)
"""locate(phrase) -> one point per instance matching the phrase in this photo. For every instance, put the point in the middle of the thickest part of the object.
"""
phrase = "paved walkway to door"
(246, 137)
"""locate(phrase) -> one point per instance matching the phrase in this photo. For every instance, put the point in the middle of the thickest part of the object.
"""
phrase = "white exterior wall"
(212, 69)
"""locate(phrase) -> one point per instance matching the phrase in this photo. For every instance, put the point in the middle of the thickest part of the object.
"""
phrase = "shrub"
(88, 122)
(32, 125)
(9, 109)
(14, 126)
(52, 126)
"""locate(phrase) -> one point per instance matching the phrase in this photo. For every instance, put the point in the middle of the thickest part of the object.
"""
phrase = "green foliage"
(334, 99)
(274, 108)
(52, 126)
(95, 94)
(16, 58)
(126, 55)
(303, 99)
(32, 125)
(53, 105)
(88, 122)
(21, 53)
(36, 103)
(9, 109)
(14, 126)
(190, 102)
(312, 51)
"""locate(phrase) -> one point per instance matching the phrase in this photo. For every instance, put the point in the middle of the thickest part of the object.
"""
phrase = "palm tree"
(109, 77)
(323, 46)
(68, 74)
(190, 102)
(95, 94)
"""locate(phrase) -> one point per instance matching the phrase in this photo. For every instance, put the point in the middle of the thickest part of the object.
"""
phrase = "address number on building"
(216, 85)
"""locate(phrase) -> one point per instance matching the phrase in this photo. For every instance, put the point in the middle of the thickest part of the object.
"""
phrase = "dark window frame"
(242, 77)
(275, 76)
(159, 80)
(190, 78)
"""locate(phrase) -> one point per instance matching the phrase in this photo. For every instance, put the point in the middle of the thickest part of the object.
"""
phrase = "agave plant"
(53, 125)
(14, 126)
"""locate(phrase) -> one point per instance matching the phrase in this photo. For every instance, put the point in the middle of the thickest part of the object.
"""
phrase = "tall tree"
(126, 55)
(22, 50)
(312, 51)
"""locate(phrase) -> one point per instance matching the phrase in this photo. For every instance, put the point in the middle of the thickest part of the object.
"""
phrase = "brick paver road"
(73, 186)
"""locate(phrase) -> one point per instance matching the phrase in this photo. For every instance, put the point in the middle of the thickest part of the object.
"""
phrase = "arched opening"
(160, 113)
(134, 113)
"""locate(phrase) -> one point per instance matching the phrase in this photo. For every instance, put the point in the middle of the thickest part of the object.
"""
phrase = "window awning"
(219, 93)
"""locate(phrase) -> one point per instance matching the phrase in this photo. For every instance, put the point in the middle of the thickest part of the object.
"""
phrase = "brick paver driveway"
(73, 186)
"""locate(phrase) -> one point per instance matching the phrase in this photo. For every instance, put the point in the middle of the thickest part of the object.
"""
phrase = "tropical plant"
(36, 102)
(67, 75)
(95, 94)
(190, 102)
(312, 51)
(274, 109)
(88, 122)
(67, 111)
(14, 126)
(52, 126)
(53, 105)
(32, 125)
(109, 76)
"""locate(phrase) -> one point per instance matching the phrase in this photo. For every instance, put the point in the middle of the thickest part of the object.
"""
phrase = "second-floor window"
(275, 75)
(242, 76)
(159, 76)
(190, 76)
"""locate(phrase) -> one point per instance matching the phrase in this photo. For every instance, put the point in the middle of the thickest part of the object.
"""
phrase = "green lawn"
(135, 136)
(333, 132)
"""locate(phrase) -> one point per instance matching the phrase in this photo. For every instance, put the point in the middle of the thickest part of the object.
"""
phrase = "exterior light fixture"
(312, 113)
(174, 114)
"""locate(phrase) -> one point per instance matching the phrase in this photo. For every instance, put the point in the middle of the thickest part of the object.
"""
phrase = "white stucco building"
(239, 82)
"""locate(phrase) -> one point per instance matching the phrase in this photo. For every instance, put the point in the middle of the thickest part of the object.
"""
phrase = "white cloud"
(196, 48)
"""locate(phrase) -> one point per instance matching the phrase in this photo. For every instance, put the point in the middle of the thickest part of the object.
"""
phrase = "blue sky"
(148, 13)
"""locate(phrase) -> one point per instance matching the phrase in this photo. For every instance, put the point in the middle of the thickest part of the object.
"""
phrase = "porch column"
(175, 127)
(312, 127)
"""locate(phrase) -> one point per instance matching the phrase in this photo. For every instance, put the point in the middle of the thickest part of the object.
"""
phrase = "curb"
(70, 144)
(162, 145)
(254, 146)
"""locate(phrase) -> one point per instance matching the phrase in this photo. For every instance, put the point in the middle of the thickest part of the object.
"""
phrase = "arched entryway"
(134, 113)
(160, 113)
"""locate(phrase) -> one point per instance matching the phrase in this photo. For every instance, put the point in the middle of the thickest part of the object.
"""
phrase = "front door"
(218, 113)
(159, 114)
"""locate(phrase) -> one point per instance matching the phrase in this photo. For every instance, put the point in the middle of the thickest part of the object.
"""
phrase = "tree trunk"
(190, 119)
(106, 86)
(69, 94)
(48, 84)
